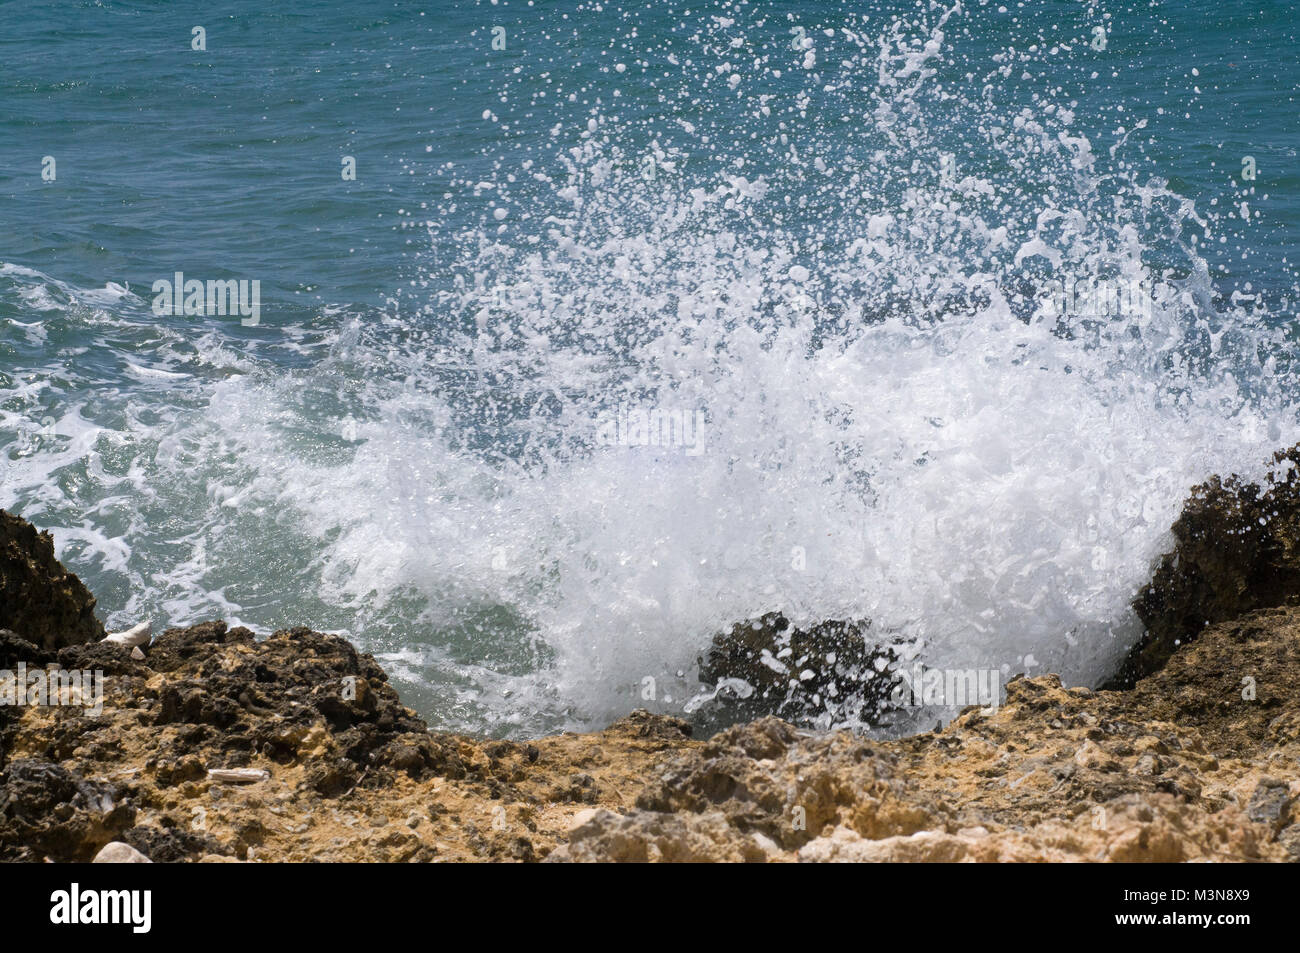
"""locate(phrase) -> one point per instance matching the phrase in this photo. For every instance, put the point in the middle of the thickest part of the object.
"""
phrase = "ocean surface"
(640, 319)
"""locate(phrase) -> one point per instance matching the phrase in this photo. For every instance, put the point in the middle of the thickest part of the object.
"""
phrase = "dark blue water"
(227, 162)
(837, 248)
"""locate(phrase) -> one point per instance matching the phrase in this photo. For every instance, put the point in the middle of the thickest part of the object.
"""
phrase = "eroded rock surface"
(1200, 760)
(1190, 765)
(40, 600)
(1238, 549)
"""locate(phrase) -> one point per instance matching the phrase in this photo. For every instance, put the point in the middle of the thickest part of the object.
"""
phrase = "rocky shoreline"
(1192, 754)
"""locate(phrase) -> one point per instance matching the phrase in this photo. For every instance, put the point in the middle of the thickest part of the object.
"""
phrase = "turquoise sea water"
(835, 235)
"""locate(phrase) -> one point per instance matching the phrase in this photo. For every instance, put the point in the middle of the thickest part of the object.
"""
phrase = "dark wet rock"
(177, 648)
(40, 600)
(14, 649)
(833, 667)
(1237, 550)
(107, 657)
(266, 698)
(47, 811)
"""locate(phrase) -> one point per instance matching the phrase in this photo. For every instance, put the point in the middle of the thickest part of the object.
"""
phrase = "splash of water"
(904, 423)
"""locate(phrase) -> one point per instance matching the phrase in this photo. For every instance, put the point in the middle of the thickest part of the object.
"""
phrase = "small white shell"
(237, 775)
